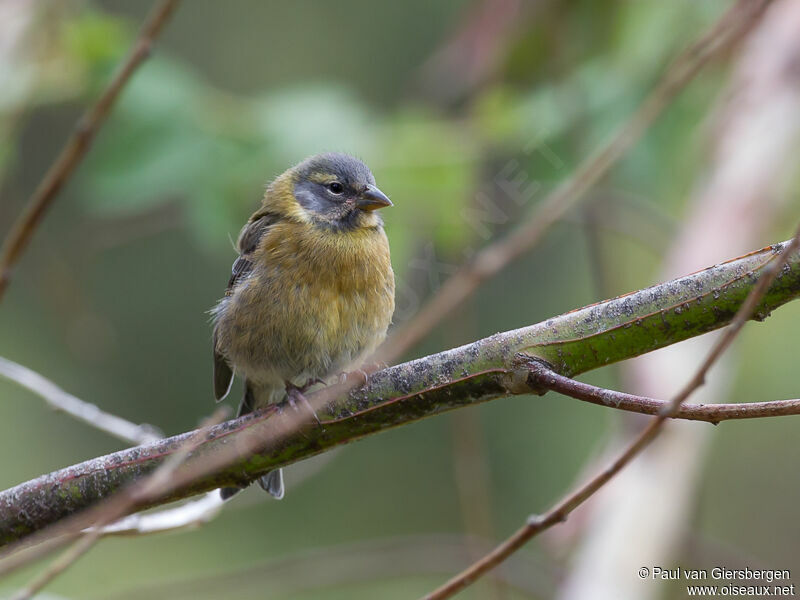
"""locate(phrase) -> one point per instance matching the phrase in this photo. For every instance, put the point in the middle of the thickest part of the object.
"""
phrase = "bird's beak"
(372, 199)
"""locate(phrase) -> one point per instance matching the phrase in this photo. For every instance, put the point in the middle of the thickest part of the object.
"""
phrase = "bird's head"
(337, 191)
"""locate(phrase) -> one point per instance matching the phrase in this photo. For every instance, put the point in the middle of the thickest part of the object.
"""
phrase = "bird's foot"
(295, 397)
(358, 373)
(308, 384)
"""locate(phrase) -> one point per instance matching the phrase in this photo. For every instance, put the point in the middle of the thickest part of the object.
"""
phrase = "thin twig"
(194, 513)
(495, 257)
(492, 259)
(538, 523)
(117, 505)
(742, 316)
(736, 198)
(83, 411)
(546, 378)
(188, 515)
(137, 492)
(244, 448)
(58, 566)
(498, 255)
(79, 143)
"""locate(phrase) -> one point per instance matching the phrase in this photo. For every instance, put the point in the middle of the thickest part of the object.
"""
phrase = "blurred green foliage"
(111, 299)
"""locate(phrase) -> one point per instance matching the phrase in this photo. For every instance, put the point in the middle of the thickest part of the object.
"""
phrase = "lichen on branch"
(238, 451)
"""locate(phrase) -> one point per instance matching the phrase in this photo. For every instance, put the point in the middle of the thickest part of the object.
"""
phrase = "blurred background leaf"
(111, 299)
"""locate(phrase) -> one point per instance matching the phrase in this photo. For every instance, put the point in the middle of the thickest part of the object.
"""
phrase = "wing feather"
(242, 267)
(223, 374)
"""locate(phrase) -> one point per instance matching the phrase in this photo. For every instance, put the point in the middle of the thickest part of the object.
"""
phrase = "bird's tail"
(272, 482)
(229, 492)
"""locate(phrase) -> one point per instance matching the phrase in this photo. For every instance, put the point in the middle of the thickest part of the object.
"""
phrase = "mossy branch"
(237, 451)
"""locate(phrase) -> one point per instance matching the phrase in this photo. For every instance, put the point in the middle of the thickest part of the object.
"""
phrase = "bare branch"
(496, 256)
(240, 450)
(194, 513)
(536, 523)
(750, 140)
(83, 411)
(191, 514)
(543, 377)
(744, 314)
(79, 143)
(120, 504)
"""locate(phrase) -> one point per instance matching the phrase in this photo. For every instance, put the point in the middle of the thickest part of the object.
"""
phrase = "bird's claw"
(363, 374)
(295, 397)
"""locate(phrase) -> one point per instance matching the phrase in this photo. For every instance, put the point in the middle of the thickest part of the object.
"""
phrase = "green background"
(111, 299)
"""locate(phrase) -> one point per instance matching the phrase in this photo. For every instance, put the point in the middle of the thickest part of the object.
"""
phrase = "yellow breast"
(317, 301)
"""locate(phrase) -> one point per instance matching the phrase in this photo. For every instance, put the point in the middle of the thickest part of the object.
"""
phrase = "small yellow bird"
(312, 292)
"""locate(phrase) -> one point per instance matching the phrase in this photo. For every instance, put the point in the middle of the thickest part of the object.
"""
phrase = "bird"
(312, 291)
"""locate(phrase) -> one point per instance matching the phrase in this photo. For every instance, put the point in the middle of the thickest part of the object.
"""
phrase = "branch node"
(535, 371)
(535, 521)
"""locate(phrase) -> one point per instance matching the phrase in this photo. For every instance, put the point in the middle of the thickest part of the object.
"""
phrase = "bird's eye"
(335, 187)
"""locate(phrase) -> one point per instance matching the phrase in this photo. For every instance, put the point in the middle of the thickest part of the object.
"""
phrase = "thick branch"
(494, 367)
(536, 524)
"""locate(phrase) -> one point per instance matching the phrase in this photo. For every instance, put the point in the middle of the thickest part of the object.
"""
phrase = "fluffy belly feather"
(297, 319)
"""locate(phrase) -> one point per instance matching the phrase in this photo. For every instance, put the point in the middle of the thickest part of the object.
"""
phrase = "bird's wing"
(248, 242)
(241, 268)
(223, 374)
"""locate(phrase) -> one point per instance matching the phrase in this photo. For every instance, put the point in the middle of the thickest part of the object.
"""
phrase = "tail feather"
(272, 482)
(228, 492)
